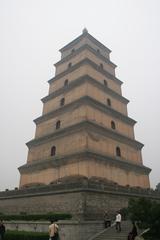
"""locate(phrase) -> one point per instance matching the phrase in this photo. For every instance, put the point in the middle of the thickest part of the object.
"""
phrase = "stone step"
(111, 234)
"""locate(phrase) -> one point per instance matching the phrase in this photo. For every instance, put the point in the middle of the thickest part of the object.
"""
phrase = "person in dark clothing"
(133, 233)
(107, 220)
(2, 230)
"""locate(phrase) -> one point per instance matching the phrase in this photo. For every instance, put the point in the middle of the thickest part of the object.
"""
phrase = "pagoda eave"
(86, 61)
(79, 81)
(79, 50)
(79, 38)
(87, 126)
(87, 154)
(90, 102)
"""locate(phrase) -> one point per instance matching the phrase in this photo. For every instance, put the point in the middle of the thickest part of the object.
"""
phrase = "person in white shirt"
(53, 231)
(118, 222)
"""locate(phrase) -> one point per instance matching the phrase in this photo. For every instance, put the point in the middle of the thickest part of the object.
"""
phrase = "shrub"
(124, 213)
(147, 213)
(37, 217)
(21, 235)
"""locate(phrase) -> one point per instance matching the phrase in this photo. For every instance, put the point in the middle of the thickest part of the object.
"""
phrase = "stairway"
(111, 234)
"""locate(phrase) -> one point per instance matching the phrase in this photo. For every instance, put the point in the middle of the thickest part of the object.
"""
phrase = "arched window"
(69, 65)
(113, 125)
(62, 102)
(58, 124)
(108, 102)
(53, 151)
(118, 152)
(105, 83)
(101, 65)
(66, 82)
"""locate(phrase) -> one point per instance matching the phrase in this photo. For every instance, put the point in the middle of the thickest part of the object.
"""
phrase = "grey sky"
(32, 31)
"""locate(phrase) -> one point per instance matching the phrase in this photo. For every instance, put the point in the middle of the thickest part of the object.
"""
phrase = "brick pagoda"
(84, 129)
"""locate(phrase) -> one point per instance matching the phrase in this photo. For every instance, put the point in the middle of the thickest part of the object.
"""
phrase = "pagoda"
(84, 129)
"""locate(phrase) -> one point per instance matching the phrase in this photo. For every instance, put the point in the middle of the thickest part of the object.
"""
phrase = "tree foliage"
(158, 187)
(147, 214)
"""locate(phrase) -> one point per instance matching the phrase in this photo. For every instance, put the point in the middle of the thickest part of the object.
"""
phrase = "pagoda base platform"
(85, 199)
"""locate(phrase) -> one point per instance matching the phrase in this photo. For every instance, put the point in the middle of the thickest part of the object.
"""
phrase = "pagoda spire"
(85, 30)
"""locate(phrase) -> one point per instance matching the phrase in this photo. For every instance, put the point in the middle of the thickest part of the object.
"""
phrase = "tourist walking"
(53, 231)
(107, 220)
(133, 233)
(2, 230)
(118, 222)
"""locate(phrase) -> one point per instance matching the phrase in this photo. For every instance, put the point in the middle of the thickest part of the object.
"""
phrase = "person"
(53, 231)
(118, 222)
(133, 233)
(2, 230)
(107, 220)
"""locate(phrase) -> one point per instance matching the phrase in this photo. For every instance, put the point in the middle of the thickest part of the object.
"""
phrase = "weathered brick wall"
(97, 204)
(62, 202)
(86, 200)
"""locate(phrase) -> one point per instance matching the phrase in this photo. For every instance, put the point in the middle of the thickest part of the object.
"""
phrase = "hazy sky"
(32, 32)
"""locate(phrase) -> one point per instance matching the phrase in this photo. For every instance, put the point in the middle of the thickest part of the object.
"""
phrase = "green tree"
(158, 187)
(147, 214)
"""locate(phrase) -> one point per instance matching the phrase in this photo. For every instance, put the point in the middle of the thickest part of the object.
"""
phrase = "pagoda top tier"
(85, 39)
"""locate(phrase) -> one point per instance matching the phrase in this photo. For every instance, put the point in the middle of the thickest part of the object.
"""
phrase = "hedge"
(37, 217)
(21, 235)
